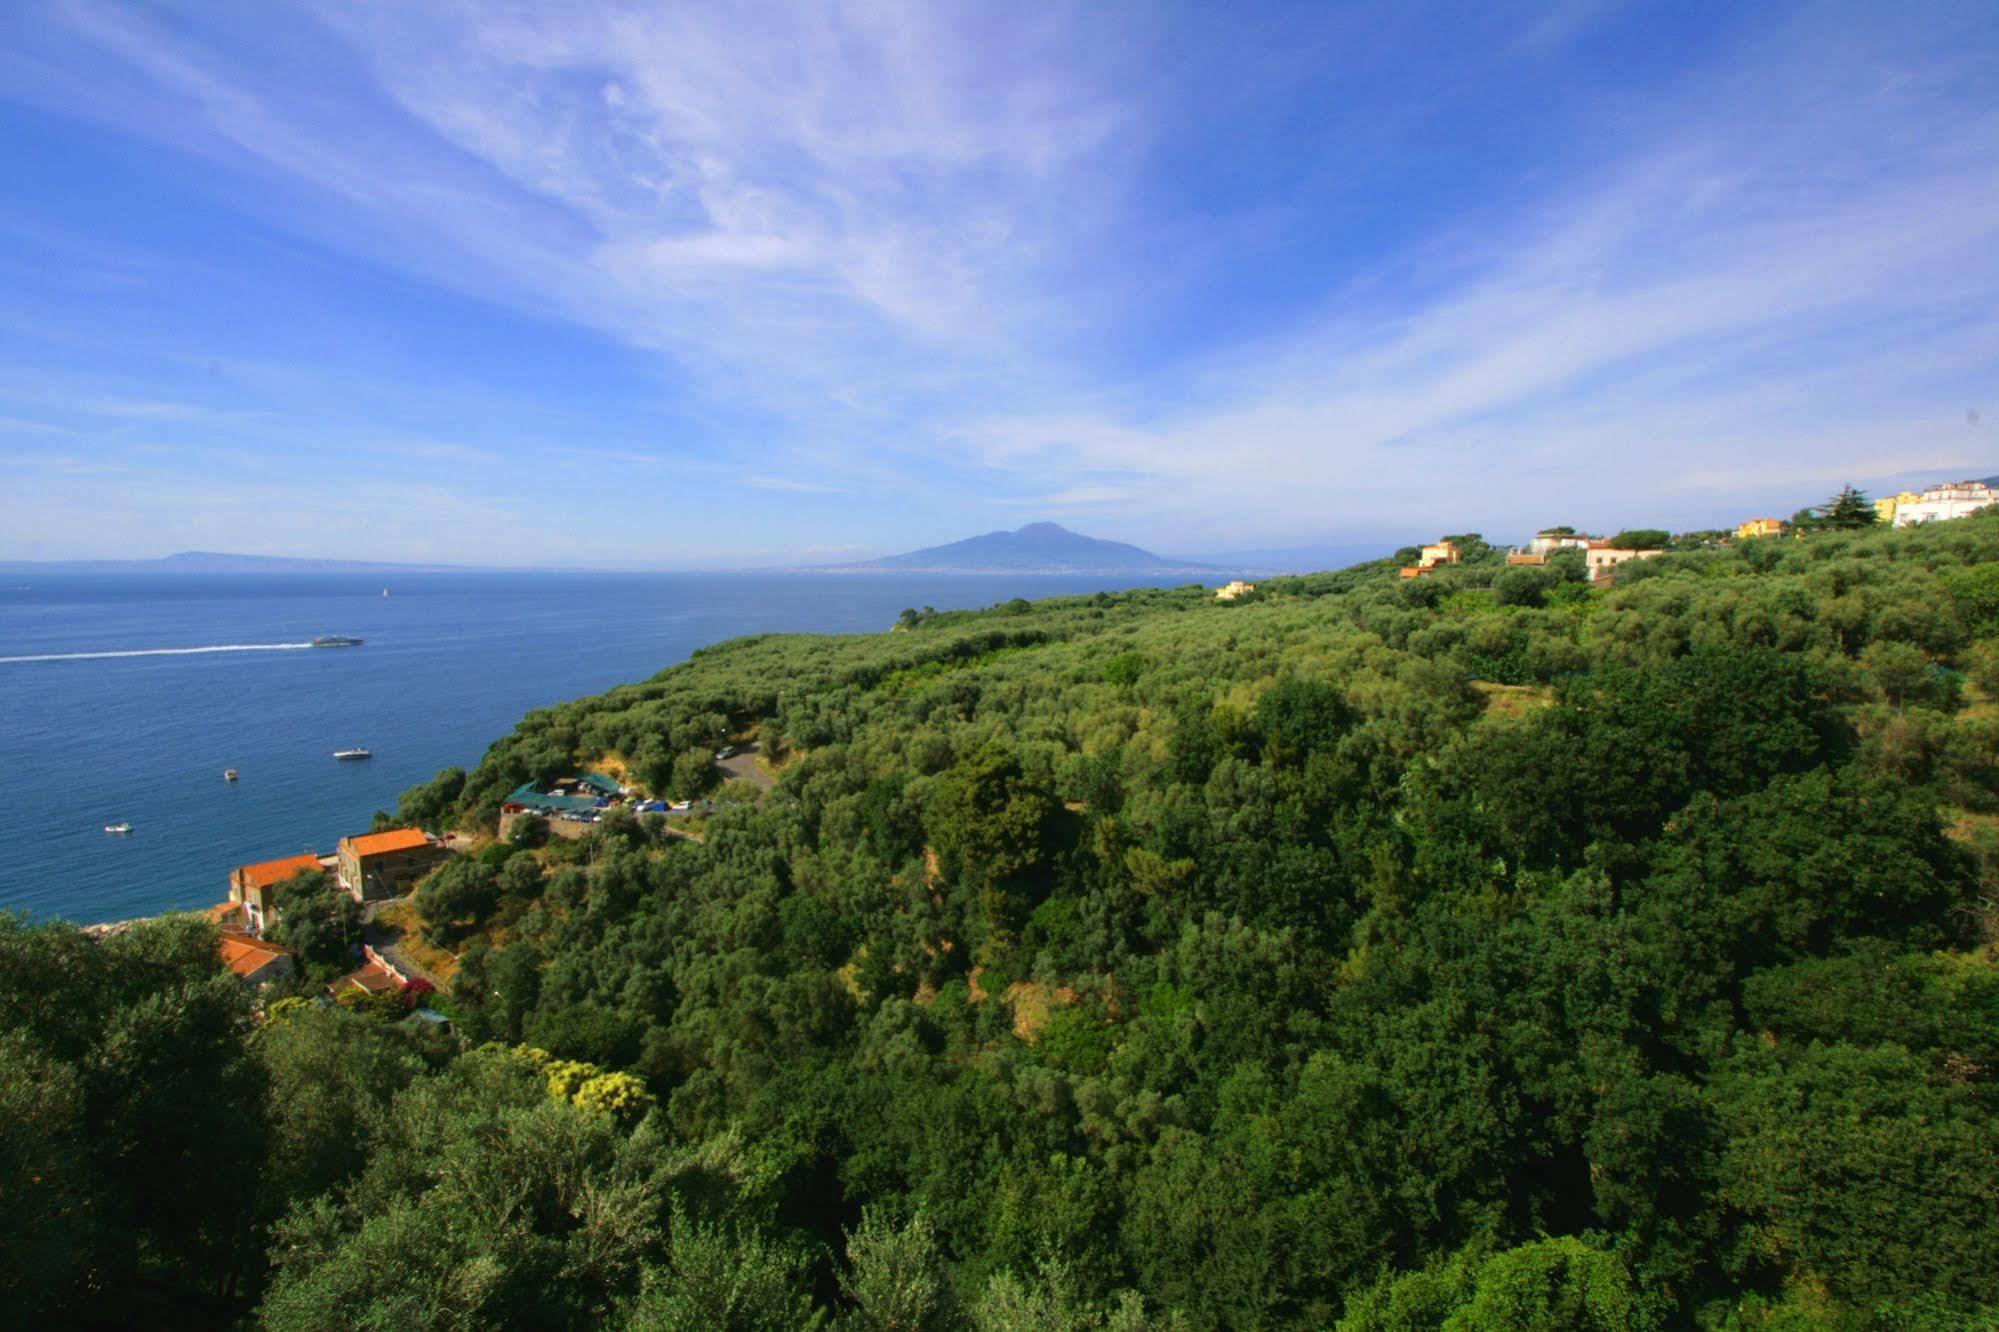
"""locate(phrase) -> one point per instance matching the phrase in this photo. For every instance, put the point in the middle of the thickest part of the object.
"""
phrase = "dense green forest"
(1482, 950)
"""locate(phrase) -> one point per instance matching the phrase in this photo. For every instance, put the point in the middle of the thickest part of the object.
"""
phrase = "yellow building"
(1443, 552)
(1760, 527)
(1884, 509)
(1230, 591)
(1438, 553)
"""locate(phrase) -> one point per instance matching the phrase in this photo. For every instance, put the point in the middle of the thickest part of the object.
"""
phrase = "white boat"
(229, 774)
(117, 827)
(352, 754)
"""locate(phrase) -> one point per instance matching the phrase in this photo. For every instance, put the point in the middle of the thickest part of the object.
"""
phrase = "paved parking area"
(744, 767)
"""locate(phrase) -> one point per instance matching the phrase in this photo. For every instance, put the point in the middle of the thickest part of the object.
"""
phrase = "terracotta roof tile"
(245, 956)
(266, 873)
(381, 843)
(373, 978)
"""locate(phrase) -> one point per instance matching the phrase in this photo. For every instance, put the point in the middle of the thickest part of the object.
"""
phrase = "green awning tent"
(529, 798)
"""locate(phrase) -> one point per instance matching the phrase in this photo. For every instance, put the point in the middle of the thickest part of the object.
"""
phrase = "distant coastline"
(217, 562)
(1038, 549)
(1194, 572)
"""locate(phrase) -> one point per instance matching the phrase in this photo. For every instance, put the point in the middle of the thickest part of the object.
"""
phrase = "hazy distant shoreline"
(1259, 563)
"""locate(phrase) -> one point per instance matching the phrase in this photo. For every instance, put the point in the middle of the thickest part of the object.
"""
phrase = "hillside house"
(1937, 504)
(1547, 542)
(254, 888)
(1602, 557)
(387, 864)
(1885, 509)
(374, 978)
(1760, 527)
(1231, 590)
(1431, 558)
(254, 961)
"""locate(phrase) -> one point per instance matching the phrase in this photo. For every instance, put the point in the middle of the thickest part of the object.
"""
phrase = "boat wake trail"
(158, 652)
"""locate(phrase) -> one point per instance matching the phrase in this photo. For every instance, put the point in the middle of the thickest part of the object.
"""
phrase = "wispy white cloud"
(278, 516)
(792, 485)
(1077, 497)
(801, 192)
(154, 410)
(64, 464)
(15, 425)
(914, 238)
(1726, 314)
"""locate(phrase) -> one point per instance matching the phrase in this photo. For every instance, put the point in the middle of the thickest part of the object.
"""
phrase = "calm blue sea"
(148, 687)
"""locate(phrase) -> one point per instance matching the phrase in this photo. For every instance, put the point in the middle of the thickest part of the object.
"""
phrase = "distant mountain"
(208, 561)
(1042, 548)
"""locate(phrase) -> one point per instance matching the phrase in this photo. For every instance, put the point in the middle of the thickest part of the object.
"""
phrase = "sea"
(123, 698)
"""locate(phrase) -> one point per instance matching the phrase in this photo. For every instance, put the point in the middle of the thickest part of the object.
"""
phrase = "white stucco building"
(1954, 499)
(1602, 557)
(1547, 543)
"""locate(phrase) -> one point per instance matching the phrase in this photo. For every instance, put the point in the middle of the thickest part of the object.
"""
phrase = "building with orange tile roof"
(382, 843)
(1432, 556)
(255, 887)
(386, 864)
(254, 961)
(371, 979)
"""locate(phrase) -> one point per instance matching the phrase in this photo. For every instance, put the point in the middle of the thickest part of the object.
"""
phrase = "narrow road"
(385, 939)
(406, 964)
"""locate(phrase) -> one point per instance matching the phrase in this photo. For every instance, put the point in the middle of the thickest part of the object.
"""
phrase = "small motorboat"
(352, 754)
(229, 774)
(117, 827)
(335, 640)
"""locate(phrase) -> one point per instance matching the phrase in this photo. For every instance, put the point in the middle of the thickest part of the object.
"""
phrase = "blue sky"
(706, 285)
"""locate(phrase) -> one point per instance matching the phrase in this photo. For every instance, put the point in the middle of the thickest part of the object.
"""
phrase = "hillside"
(1036, 548)
(1486, 949)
